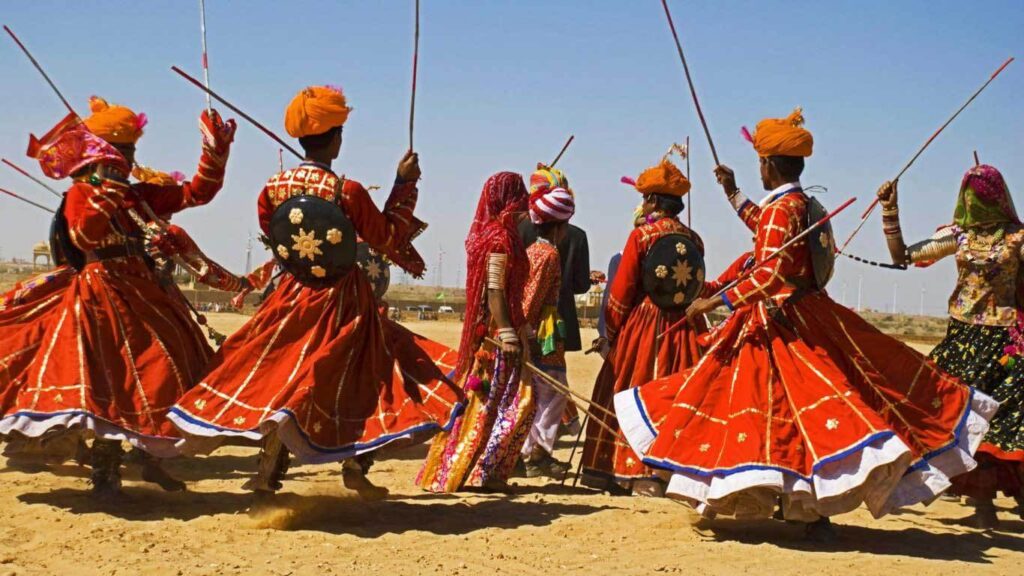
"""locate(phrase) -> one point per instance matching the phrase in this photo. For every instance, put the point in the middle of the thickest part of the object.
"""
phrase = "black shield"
(313, 240)
(822, 244)
(673, 272)
(376, 267)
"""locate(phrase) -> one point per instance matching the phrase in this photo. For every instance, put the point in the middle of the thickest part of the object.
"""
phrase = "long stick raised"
(871, 208)
(689, 80)
(689, 208)
(789, 244)
(206, 59)
(27, 201)
(23, 172)
(235, 109)
(415, 69)
(40, 69)
(562, 151)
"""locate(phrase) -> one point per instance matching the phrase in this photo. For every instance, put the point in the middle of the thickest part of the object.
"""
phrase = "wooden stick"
(566, 391)
(977, 162)
(575, 445)
(689, 81)
(789, 244)
(871, 207)
(41, 71)
(415, 68)
(564, 148)
(27, 201)
(689, 209)
(206, 60)
(235, 109)
(25, 173)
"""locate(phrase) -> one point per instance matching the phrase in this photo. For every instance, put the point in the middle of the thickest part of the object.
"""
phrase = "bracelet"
(496, 264)
(890, 211)
(508, 336)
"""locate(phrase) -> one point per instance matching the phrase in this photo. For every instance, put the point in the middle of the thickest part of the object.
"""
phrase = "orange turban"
(315, 110)
(783, 136)
(665, 178)
(115, 124)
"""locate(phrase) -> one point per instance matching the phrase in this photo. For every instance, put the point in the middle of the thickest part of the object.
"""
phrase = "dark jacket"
(575, 254)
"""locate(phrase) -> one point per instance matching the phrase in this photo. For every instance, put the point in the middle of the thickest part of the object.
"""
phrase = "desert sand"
(50, 525)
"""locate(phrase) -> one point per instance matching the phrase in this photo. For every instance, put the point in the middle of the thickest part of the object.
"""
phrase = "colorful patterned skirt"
(485, 442)
(972, 352)
(114, 353)
(811, 404)
(325, 369)
(640, 354)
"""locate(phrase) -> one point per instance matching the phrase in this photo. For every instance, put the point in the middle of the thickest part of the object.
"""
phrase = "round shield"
(673, 272)
(822, 244)
(313, 239)
(376, 267)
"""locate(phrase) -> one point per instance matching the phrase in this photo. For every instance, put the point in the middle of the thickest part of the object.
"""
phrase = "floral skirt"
(971, 353)
(486, 440)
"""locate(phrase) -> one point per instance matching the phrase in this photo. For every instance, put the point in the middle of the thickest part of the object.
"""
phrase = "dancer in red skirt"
(634, 326)
(313, 372)
(115, 350)
(797, 397)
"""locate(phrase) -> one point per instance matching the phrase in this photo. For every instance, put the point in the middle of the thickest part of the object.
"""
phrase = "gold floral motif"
(741, 437)
(307, 244)
(295, 216)
(682, 273)
(59, 399)
(372, 270)
(700, 276)
(681, 248)
(832, 423)
(677, 433)
(661, 271)
(705, 447)
(317, 427)
(300, 174)
(936, 403)
(334, 236)
(318, 271)
(282, 251)
(239, 421)
(200, 404)
(630, 461)
(679, 298)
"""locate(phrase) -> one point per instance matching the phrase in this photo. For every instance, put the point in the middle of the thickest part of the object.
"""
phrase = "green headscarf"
(984, 199)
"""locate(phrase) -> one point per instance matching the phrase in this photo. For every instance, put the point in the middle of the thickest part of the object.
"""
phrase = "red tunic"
(112, 350)
(321, 364)
(640, 351)
(799, 397)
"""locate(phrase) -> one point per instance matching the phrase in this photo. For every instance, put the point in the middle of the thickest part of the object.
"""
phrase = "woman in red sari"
(113, 350)
(634, 327)
(482, 448)
(313, 372)
(797, 397)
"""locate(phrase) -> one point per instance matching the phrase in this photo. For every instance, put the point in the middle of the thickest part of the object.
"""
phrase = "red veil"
(493, 231)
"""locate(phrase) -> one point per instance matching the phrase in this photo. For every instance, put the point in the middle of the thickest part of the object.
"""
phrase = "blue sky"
(502, 84)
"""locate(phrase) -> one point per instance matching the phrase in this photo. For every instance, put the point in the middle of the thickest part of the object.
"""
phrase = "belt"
(113, 252)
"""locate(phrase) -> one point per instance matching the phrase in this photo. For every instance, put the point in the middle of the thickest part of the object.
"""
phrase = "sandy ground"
(50, 525)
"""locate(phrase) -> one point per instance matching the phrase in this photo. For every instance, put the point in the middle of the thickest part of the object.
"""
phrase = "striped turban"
(552, 205)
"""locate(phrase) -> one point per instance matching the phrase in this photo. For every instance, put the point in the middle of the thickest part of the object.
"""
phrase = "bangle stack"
(508, 336)
(891, 222)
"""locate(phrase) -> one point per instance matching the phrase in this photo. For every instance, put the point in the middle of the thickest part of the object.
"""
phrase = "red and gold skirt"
(810, 403)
